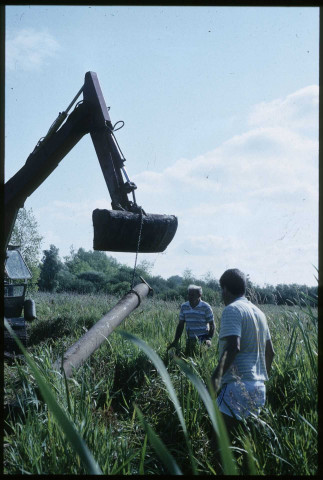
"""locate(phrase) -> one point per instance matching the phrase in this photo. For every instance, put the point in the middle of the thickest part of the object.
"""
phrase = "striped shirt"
(197, 319)
(245, 320)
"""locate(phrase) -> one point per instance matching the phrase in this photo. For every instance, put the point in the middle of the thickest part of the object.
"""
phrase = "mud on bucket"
(118, 231)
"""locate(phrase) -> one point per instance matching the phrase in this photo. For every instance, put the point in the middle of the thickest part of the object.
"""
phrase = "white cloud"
(277, 193)
(252, 201)
(298, 110)
(29, 49)
(208, 244)
(269, 155)
(151, 182)
(208, 210)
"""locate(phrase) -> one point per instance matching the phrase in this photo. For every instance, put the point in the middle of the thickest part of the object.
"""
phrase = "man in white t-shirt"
(198, 317)
(245, 353)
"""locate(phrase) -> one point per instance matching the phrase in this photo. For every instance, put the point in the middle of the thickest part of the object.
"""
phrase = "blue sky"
(220, 106)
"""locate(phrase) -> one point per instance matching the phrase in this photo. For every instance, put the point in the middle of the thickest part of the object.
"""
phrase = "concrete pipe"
(93, 338)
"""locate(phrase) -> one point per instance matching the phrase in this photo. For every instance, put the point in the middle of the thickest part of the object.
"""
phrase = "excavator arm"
(115, 230)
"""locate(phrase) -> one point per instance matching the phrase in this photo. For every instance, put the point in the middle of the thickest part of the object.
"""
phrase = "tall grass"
(120, 404)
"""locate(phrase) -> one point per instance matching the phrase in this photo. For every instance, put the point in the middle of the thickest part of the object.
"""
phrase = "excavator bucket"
(118, 231)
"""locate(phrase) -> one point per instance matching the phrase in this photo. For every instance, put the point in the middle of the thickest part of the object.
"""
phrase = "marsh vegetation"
(140, 410)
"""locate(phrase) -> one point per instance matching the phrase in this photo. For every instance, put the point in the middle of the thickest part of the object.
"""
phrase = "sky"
(220, 106)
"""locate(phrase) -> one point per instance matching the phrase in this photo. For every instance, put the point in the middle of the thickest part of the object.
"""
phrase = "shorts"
(241, 399)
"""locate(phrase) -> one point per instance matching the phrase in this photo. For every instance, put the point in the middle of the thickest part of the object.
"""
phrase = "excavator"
(124, 228)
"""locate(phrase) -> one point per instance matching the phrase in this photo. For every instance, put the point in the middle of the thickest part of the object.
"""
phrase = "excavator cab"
(16, 277)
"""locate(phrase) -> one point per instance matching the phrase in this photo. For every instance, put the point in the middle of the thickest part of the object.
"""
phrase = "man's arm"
(210, 321)
(269, 355)
(229, 353)
(212, 328)
(178, 333)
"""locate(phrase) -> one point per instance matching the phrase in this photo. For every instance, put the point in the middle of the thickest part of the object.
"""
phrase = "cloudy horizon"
(243, 182)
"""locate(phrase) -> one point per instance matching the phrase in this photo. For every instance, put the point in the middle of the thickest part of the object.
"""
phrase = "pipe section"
(93, 338)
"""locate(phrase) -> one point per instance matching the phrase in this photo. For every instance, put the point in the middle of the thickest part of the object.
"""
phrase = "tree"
(50, 267)
(83, 261)
(211, 281)
(188, 276)
(267, 294)
(145, 267)
(174, 281)
(97, 279)
(66, 280)
(74, 263)
(120, 288)
(25, 234)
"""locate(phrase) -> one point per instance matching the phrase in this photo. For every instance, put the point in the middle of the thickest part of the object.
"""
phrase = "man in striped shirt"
(245, 353)
(199, 320)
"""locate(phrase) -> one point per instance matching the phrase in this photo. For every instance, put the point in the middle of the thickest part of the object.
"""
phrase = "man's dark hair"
(235, 281)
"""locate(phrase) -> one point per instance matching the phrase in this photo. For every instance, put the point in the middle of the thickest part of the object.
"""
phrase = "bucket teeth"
(118, 231)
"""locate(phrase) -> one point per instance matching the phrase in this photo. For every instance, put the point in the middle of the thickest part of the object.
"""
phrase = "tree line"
(96, 272)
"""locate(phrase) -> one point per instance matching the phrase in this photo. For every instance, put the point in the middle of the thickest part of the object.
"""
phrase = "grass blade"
(307, 422)
(142, 456)
(158, 445)
(125, 463)
(228, 462)
(61, 418)
(251, 460)
(157, 361)
(307, 346)
(160, 367)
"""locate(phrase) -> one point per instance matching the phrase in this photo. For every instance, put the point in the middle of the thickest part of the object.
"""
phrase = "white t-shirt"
(245, 320)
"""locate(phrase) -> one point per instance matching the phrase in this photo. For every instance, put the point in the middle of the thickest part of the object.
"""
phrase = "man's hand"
(218, 372)
(231, 349)
(178, 334)
(269, 355)
(171, 345)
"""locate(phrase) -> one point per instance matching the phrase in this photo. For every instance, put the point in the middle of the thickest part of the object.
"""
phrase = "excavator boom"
(118, 229)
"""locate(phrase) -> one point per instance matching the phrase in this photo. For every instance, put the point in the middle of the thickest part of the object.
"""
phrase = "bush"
(120, 288)
(66, 281)
(83, 286)
(98, 279)
(171, 294)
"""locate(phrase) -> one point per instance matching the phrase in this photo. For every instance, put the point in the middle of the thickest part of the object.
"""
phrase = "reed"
(135, 409)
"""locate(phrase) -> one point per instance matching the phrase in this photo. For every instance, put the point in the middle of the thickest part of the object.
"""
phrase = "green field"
(124, 410)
